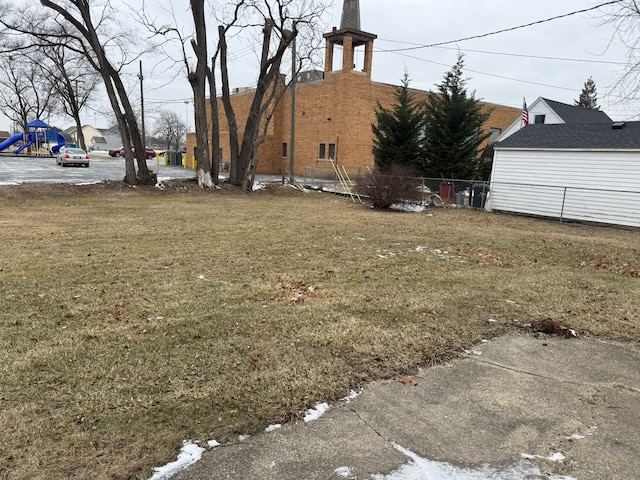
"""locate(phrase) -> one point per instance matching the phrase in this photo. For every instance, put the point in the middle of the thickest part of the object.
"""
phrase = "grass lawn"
(133, 319)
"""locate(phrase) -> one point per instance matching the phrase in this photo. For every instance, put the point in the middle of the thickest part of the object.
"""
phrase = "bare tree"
(281, 21)
(72, 81)
(87, 28)
(198, 76)
(24, 95)
(170, 129)
(625, 17)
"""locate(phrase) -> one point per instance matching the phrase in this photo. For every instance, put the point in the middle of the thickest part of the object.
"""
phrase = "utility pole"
(292, 146)
(144, 138)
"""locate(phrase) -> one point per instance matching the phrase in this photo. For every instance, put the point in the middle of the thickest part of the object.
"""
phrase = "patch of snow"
(420, 249)
(258, 186)
(242, 438)
(472, 352)
(273, 427)
(575, 436)
(408, 207)
(213, 444)
(352, 396)
(201, 277)
(189, 454)
(315, 413)
(419, 468)
(554, 457)
(344, 472)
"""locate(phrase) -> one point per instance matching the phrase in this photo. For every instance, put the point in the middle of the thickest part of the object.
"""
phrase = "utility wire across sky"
(504, 30)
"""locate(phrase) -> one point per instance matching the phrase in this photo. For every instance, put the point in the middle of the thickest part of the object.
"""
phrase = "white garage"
(585, 172)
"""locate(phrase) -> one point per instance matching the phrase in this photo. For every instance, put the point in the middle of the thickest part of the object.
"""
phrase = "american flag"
(525, 113)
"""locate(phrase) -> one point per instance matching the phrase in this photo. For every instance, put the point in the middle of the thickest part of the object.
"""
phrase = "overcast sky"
(501, 76)
(499, 67)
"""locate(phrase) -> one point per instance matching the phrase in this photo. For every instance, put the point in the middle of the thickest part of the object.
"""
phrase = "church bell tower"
(350, 36)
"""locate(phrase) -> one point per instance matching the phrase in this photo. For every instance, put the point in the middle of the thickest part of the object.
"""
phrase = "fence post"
(564, 197)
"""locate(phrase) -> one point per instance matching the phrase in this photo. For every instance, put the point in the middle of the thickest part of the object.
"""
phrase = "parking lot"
(17, 170)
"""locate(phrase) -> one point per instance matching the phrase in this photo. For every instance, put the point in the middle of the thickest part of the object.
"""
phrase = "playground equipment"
(42, 134)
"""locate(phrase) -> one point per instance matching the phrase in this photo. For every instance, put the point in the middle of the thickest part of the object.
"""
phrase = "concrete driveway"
(515, 408)
(17, 170)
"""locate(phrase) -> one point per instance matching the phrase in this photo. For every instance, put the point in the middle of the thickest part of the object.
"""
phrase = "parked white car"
(72, 156)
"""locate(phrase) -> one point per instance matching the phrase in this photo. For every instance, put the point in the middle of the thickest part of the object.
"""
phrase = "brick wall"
(338, 110)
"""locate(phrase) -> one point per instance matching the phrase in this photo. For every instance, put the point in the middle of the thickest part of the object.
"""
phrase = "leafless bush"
(395, 185)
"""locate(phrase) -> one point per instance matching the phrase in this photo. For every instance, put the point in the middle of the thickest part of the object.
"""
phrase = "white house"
(545, 111)
(95, 138)
(586, 172)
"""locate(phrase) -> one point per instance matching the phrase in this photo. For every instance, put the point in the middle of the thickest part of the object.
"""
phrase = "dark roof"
(594, 136)
(573, 114)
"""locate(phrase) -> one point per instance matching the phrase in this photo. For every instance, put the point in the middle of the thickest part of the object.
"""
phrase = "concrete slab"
(518, 408)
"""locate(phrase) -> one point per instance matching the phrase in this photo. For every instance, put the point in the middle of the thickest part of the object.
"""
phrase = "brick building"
(334, 108)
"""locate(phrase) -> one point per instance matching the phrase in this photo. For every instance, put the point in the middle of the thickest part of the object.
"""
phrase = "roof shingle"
(594, 136)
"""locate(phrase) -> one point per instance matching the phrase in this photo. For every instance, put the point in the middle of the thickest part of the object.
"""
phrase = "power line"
(507, 54)
(492, 74)
(510, 29)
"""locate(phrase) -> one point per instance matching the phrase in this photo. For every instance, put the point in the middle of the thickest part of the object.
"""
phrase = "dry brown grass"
(131, 320)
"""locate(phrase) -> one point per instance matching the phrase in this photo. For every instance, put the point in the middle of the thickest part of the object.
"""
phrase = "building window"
(284, 149)
(539, 119)
(332, 151)
(322, 154)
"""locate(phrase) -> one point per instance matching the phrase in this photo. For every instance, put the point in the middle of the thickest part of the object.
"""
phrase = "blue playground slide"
(31, 138)
(11, 140)
(61, 143)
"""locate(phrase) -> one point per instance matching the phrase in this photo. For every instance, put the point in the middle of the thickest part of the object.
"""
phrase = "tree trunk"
(234, 171)
(215, 125)
(81, 141)
(144, 176)
(268, 71)
(198, 81)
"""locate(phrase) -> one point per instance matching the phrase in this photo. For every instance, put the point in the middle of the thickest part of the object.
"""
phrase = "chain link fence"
(439, 191)
(595, 205)
(564, 203)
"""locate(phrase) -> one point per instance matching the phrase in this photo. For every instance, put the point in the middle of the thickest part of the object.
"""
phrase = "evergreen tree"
(454, 129)
(588, 97)
(399, 132)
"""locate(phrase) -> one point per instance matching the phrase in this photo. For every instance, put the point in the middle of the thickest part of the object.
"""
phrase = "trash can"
(447, 193)
(174, 159)
(460, 198)
(479, 195)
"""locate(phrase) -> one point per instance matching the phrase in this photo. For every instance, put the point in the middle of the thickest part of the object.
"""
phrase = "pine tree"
(588, 97)
(454, 129)
(399, 131)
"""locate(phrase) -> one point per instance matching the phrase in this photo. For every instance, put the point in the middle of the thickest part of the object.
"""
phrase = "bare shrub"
(394, 185)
